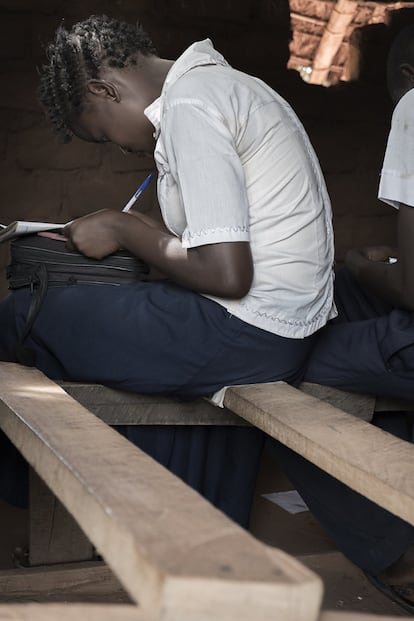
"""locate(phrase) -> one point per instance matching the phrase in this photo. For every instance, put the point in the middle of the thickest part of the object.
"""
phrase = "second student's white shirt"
(235, 164)
(397, 175)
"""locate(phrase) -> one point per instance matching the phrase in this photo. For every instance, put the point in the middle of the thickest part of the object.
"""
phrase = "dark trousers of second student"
(369, 348)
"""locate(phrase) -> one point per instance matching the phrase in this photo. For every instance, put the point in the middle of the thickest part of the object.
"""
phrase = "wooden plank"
(329, 615)
(341, 17)
(374, 463)
(78, 580)
(117, 407)
(357, 404)
(175, 554)
(54, 536)
(71, 612)
(113, 612)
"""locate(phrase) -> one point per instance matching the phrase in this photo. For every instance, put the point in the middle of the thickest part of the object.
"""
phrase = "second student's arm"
(392, 282)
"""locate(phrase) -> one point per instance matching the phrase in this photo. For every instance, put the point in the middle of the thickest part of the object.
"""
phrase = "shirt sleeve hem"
(214, 236)
(396, 190)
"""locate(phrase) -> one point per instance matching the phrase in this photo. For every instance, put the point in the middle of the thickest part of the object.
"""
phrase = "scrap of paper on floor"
(290, 501)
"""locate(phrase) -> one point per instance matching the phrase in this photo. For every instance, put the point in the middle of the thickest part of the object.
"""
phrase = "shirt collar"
(198, 54)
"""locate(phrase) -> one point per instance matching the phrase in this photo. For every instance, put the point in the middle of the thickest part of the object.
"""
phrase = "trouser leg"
(8, 333)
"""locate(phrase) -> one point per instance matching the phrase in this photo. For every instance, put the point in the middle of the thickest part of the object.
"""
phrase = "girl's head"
(400, 65)
(81, 65)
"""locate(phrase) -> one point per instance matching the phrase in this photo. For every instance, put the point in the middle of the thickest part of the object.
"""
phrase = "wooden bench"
(111, 487)
(317, 427)
(177, 556)
(55, 536)
(110, 612)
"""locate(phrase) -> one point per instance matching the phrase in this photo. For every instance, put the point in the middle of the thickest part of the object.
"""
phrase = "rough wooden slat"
(359, 405)
(329, 615)
(80, 579)
(374, 463)
(71, 612)
(342, 15)
(113, 612)
(117, 407)
(54, 536)
(175, 554)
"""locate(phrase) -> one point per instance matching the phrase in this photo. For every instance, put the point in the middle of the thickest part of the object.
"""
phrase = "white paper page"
(290, 501)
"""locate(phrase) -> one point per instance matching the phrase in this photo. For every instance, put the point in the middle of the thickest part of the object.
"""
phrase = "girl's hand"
(95, 235)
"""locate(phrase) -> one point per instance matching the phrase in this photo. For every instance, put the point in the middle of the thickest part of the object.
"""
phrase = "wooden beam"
(359, 405)
(295, 61)
(175, 554)
(329, 615)
(376, 464)
(72, 580)
(335, 31)
(71, 612)
(316, 21)
(117, 407)
(113, 612)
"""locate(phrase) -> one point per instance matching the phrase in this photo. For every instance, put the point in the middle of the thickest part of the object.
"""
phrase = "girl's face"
(114, 112)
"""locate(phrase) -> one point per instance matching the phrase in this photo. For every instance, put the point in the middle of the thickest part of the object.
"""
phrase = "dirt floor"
(346, 587)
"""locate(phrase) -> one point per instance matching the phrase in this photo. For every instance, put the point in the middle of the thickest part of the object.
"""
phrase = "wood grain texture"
(73, 579)
(175, 554)
(355, 616)
(117, 407)
(113, 612)
(70, 612)
(359, 405)
(374, 463)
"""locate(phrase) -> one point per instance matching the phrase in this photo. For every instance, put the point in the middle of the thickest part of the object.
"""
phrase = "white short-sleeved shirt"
(397, 175)
(235, 164)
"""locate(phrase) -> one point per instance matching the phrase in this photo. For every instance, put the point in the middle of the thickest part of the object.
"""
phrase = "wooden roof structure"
(322, 30)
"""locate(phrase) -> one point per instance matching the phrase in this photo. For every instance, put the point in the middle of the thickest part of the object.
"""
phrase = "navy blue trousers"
(157, 338)
(369, 348)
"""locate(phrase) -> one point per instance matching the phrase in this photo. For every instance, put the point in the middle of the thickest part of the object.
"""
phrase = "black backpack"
(40, 262)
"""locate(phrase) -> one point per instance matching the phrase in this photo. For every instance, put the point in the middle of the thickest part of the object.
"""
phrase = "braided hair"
(77, 55)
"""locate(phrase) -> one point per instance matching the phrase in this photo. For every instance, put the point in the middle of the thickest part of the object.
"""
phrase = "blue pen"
(138, 193)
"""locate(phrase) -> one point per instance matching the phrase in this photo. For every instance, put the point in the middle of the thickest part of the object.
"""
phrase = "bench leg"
(54, 536)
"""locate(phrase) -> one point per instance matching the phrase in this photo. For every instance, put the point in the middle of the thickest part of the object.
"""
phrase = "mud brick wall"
(43, 180)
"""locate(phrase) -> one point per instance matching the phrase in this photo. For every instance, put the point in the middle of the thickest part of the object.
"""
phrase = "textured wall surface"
(41, 179)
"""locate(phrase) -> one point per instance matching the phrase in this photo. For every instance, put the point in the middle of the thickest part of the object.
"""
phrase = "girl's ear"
(104, 89)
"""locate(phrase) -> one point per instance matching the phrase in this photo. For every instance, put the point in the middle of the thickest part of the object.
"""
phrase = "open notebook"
(20, 227)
